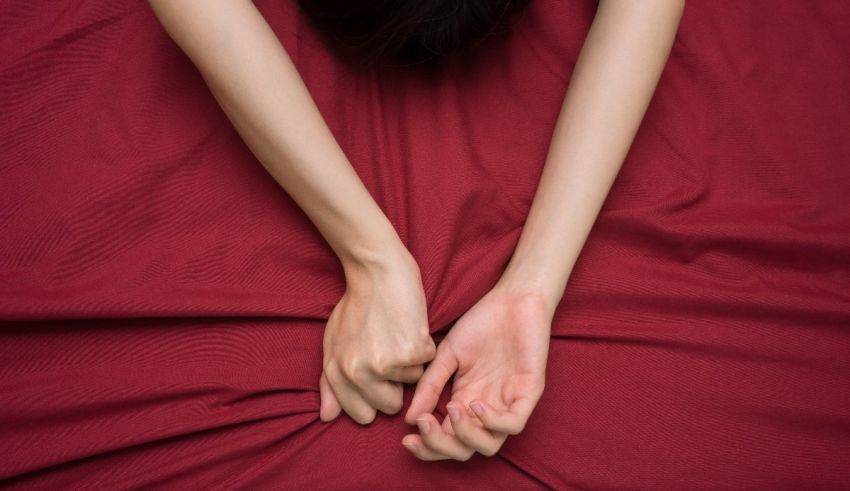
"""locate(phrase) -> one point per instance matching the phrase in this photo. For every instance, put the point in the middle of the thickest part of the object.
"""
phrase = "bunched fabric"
(163, 299)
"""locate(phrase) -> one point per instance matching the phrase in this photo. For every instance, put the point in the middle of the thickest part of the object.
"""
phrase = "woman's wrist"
(542, 260)
(379, 251)
(519, 279)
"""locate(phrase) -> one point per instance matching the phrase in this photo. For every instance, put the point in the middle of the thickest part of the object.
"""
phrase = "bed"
(162, 299)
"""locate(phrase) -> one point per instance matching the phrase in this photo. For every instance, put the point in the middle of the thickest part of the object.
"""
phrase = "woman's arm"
(612, 83)
(258, 87)
(498, 349)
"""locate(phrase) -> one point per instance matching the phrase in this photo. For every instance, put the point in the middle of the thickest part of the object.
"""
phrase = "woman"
(377, 336)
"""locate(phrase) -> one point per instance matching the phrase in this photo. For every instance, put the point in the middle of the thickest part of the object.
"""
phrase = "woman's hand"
(378, 332)
(376, 338)
(500, 346)
(498, 351)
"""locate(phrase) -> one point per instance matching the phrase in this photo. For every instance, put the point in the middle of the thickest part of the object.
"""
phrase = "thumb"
(330, 407)
(431, 384)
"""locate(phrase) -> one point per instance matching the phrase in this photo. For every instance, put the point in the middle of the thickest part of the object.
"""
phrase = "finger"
(511, 421)
(417, 447)
(431, 385)
(350, 399)
(471, 434)
(407, 375)
(329, 407)
(383, 395)
(435, 438)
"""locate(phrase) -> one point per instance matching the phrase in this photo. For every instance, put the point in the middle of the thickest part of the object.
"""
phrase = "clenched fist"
(376, 338)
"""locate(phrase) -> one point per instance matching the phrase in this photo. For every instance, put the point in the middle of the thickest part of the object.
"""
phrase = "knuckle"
(394, 406)
(516, 428)
(466, 455)
(429, 350)
(433, 441)
(461, 435)
(355, 372)
(379, 364)
(365, 418)
(487, 452)
(392, 410)
(418, 350)
(415, 373)
(347, 367)
(407, 352)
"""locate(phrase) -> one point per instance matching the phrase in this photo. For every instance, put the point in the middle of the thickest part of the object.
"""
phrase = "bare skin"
(377, 335)
(498, 349)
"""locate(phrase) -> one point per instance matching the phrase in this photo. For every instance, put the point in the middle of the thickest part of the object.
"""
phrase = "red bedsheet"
(162, 299)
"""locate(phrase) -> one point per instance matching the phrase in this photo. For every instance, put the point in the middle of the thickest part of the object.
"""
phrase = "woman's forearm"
(258, 87)
(612, 83)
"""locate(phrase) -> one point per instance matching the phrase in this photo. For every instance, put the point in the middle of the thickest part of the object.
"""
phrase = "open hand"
(375, 339)
(498, 351)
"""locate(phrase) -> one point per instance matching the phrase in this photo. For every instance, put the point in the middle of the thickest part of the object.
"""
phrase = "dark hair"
(390, 32)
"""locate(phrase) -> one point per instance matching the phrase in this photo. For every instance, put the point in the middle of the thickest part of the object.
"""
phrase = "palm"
(497, 352)
(501, 346)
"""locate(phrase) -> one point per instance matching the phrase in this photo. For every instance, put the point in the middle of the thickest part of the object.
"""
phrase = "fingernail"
(411, 446)
(478, 408)
(454, 413)
(424, 425)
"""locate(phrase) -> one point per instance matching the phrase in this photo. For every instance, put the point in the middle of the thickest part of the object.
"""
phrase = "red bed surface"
(162, 299)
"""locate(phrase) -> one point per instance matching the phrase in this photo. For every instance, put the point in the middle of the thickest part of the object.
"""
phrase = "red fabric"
(163, 299)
